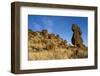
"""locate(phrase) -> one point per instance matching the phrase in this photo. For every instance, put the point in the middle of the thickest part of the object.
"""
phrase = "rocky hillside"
(43, 45)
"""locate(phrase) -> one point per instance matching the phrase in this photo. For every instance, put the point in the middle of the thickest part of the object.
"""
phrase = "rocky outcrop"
(76, 38)
(46, 40)
(43, 45)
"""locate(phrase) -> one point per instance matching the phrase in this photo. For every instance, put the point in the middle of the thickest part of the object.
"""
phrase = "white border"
(25, 64)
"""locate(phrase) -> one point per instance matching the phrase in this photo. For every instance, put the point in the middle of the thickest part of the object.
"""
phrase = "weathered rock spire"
(76, 38)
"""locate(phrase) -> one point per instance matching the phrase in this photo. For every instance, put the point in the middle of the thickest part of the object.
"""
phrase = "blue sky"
(59, 25)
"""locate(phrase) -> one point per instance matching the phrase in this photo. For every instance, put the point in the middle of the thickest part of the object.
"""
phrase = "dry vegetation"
(45, 46)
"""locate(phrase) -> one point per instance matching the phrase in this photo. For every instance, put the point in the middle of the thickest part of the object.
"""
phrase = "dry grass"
(57, 54)
(50, 47)
(50, 54)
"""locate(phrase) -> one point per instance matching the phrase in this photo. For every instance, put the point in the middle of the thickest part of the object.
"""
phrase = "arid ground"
(43, 45)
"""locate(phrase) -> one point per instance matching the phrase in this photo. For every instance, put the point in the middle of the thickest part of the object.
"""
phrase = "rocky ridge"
(43, 45)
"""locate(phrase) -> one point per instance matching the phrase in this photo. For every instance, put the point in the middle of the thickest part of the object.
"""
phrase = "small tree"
(65, 41)
(57, 36)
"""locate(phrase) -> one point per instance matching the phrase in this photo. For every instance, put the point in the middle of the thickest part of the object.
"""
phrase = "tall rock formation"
(76, 38)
